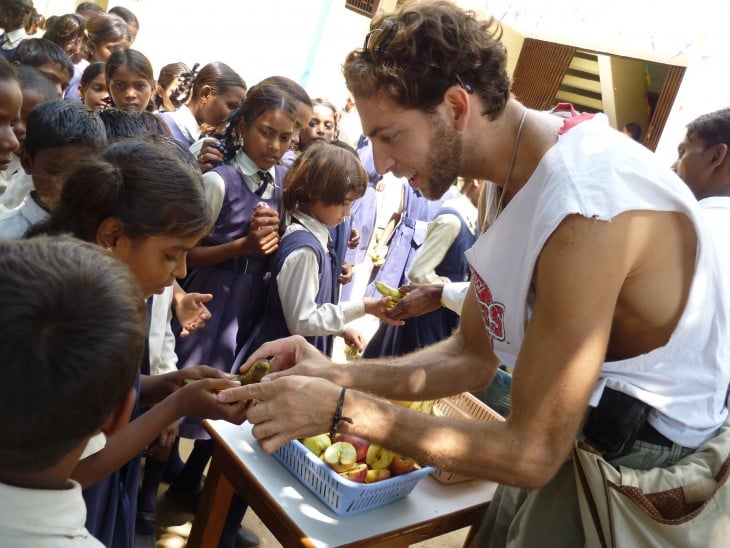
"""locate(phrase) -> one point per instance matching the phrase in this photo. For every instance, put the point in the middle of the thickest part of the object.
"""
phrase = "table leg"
(215, 500)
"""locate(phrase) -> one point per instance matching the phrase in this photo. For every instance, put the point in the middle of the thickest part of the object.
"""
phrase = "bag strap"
(589, 498)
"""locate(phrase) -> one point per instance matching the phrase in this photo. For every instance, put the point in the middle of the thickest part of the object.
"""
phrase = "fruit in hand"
(258, 370)
(377, 475)
(357, 473)
(361, 445)
(424, 407)
(340, 456)
(378, 457)
(317, 444)
(386, 291)
(402, 465)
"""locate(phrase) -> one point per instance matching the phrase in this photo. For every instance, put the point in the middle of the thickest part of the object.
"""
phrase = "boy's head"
(703, 159)
(37, 88)
(10, 101)
(47, 57)
(58, 134)
(13, 13)
(73, 324)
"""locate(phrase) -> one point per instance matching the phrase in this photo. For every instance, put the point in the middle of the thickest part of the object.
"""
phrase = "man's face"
(692, 164)
(419, 146)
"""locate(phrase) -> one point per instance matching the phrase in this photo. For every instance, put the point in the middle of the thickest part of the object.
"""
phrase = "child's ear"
(109, 231)
(206, 91)
(26, 161)
(120, 415)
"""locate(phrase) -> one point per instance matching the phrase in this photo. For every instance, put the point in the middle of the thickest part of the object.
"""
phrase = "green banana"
(258, 370)
(386, 291)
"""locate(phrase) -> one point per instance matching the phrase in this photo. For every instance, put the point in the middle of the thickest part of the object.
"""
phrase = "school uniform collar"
(10, 40)
(250, 172)
(187, 123)
(317, 228)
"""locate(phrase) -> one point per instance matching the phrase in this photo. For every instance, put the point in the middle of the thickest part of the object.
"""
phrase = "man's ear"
(109, 231)
(119, 416)
(718, 155)
(26, 161)
(456, 100)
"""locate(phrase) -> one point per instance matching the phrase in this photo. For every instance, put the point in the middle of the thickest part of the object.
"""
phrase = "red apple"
(377, 475)
(378, 457)
(357, 473)
(361, 445)
(340, 456)
(402, 465)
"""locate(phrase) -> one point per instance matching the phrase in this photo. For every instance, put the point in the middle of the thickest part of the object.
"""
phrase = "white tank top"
(597, 172)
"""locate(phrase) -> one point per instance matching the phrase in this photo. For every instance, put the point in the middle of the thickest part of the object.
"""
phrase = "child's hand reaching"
(263, 234)
(354, 339)
(192, 313)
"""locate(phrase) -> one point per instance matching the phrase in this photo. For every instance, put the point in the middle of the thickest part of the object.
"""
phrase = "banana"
(258, 370)
(386, 291)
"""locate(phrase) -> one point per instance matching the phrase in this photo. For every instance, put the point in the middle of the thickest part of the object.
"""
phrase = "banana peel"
(387, 291)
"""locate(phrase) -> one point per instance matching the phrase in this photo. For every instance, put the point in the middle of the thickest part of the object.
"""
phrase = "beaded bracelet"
(338, 414)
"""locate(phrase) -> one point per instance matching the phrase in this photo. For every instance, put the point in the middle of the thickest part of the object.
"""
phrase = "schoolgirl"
(105, 34)
(92, 89)
(144, 203)
(130, 80)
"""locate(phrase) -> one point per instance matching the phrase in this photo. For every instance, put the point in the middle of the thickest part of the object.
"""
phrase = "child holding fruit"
(318, 192)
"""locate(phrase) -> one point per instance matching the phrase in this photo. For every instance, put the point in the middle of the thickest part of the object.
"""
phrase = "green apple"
(317, 444)
(340, 456)
(378, 457)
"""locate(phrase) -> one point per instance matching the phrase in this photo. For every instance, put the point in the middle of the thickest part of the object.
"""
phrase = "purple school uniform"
(238, 285)
(406, 239)
(434, 326)
(273, 325)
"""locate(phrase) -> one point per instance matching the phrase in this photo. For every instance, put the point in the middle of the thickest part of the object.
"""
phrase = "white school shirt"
(11, 40)
(596, 172)
(185, 121)
(17, 187)
(298, 284)
(16, 222)
(161, 339)
(44, 518)
(215, 188)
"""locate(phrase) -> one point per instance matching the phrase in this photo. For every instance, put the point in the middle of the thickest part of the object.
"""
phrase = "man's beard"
(444, 160)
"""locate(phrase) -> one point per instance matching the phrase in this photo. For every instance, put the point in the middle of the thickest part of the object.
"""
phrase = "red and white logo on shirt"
(492, 312)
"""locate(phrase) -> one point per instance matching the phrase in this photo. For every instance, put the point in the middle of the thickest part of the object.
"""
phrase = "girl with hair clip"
(105, 34)
(214, 92)
(130, 80)
(170, 92)
(92, 89)
(142, 200)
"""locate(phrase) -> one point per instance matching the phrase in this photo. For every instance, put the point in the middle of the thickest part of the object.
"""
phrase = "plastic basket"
(343, 496)
(463, 405)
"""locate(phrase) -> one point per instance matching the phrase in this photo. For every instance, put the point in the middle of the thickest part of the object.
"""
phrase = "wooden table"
(296, 517)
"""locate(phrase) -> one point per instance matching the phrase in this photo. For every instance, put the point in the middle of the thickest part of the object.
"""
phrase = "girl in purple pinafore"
(232, 261)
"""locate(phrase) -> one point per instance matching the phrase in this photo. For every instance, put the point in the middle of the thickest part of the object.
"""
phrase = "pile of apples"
(358, 460)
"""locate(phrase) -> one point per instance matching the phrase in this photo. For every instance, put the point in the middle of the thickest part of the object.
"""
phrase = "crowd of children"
(231, 208)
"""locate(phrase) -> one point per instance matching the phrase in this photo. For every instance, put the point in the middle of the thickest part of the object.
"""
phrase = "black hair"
(144, 182)
(63, 123)
(125, 15)
(74, 329)
(34, 79)
(105, 28)
(219, 76)
(712, 128)
(65, 28)
(297, 92)
(91, 8)
(35, 52)
(262, 97)
(17, 11)
(180, 94)
(7, 71)
(136, 62)
(634, 130)
(121, 123)
(90, 72)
